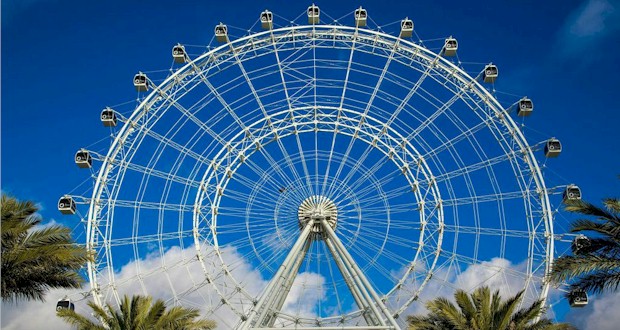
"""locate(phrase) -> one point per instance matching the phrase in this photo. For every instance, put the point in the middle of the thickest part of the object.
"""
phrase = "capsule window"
(406, 28)
(83, 159)
(553, 148)
(140, 82)
(361, 16)
(525, 107)
(266, 20)
(178, 54)
(66, 205)
(313, 14)
(490, 73)
(450, 47)
(221, 33)
(108, 117)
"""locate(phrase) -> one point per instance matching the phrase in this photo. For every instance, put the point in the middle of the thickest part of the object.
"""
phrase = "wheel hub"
(317, 208)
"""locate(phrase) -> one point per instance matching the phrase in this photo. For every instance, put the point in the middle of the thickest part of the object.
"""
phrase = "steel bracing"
(265, 312)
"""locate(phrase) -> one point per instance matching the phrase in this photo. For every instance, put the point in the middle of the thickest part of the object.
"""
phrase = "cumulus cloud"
(498, 274)
(307, 290)
(589, 27)
(176, 269)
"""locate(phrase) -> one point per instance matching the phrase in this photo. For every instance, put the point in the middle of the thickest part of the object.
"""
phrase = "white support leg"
(348, 279)
(268, 295)
(360, 275)
(317, 228)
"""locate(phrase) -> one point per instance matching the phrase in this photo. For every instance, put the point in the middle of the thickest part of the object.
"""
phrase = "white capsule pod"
(361, 17)
(140, 82)
(108, 117)
(221, 33)
(450, 47)
(571, 193)
(64, 304)
(578, 298)
(553, 148)
(178, 54)
(313, 14)
(66, 205)
(490, 73)
(406, 28)
(525, 107)
(83, 159)
(581, 244)
(266, 20)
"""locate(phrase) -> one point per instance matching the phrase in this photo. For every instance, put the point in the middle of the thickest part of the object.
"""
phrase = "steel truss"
(266, 310)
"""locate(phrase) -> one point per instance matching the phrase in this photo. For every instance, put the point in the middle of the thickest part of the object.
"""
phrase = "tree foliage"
(595, 268)
(136, 313)
(483, 310)
(36, 259)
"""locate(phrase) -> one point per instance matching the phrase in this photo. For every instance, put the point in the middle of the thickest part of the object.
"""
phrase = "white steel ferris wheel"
(317, 175)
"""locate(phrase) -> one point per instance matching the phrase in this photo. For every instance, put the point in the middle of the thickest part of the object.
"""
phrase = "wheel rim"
(284, 124)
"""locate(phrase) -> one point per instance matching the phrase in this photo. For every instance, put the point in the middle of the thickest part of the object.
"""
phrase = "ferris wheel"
(317, 175)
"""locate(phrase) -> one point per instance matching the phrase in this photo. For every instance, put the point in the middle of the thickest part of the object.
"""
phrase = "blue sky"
(63, 61)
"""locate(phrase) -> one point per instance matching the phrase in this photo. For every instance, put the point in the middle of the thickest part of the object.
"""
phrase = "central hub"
(318, 208)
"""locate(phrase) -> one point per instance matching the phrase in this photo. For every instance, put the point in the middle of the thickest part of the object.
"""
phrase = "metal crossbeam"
(266, 310)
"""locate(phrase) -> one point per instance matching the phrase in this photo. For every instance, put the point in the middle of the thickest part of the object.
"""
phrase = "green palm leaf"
(482, 310)
(138, 313)
(35, 260)
(597, 267)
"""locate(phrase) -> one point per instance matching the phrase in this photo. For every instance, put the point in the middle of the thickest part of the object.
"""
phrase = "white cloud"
(498, 274)
(35, 315)
(588, 27)
(306, 292)
(182, 273)
(600, 314)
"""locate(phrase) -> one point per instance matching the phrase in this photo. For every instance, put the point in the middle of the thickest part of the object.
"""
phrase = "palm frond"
(139, 312)
(612, 204)
(486, 312)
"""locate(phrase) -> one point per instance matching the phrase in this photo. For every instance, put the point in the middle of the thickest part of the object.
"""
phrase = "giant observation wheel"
(316, 175)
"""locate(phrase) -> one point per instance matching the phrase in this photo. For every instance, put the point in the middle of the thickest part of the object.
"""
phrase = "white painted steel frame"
(119, 154)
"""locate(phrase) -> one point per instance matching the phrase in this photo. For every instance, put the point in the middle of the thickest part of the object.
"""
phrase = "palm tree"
(35, 260)
(137, 313)
(483, 311)
(595, 266)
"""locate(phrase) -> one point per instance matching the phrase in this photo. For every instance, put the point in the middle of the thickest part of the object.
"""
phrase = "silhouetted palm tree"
(137, 313)
(595, 266)
(35, 260)
(483, 311)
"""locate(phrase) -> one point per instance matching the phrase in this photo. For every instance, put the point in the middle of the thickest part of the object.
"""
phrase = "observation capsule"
(66, 205)
(64, 304)
(571, 193)
(525, 107)
(580, 244)
(490, 73)
(140, 82)
(578, 298)
(221, 33)
(108, 117)
(83, 159)
(178, 54)
(313, 14)
(266, 20)
(450, 47)
(406, 28)
(361, 16)
(553, 148)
